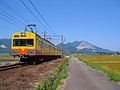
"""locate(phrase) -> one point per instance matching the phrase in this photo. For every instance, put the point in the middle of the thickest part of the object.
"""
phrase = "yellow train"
(31, 47)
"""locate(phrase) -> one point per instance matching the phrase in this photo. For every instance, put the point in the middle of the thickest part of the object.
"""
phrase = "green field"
(108, 64)
(6, 56)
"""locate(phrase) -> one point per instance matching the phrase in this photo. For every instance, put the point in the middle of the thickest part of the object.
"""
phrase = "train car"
(31, 47)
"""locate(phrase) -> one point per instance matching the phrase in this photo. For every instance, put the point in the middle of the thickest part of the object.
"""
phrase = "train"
(31, 47)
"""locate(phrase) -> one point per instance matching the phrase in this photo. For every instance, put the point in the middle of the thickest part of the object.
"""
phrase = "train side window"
(50, 47)
(47, 45)
(41, 44)
(44, 44)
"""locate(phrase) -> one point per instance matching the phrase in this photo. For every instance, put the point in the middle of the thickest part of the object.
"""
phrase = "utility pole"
(44, 34)
(62, 42)
(62, 39)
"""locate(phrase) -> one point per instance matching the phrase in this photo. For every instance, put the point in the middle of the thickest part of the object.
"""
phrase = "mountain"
(5, 45)
(71, 48)
(81, 47)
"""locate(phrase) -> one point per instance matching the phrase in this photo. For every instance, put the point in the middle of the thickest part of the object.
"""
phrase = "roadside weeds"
(55, 78)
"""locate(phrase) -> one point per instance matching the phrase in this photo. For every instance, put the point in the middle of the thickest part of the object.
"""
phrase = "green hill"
(5, 45)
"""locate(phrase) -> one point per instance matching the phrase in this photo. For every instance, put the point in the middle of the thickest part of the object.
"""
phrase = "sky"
(94, 21)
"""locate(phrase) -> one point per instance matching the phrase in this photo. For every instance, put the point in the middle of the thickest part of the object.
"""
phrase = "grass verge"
(7, 56)
(52, 82)
(113, 76)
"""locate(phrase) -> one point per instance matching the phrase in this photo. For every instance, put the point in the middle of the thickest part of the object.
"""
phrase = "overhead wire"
(41, 16)
(1, 1)
(12, 17)
(34, 15)
(9, 17)
(13, 11)
(10, 22)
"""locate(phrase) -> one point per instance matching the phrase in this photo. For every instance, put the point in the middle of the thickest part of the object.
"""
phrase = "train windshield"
(23, 42)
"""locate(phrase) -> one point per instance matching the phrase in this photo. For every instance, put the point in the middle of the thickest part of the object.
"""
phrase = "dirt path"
(83, 77)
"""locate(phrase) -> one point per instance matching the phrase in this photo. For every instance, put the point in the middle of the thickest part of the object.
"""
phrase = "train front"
(23, 45)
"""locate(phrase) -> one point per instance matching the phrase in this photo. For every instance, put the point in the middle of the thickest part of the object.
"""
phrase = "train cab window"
(29, 42)
(16, 42)
(23, 42)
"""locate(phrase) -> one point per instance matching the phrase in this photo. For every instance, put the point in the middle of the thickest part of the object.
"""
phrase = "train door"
(41, 46)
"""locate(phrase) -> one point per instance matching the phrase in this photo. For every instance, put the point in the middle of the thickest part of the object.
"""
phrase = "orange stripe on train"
(22, 51)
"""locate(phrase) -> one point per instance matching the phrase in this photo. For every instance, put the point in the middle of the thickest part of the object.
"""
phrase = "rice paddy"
(108, 64)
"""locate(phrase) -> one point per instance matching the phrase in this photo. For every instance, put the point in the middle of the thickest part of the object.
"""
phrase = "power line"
(10, 22)
(2, 2)
(41, 16)
(7, 6)
(33, 14)
(9, 18)
(12, 16)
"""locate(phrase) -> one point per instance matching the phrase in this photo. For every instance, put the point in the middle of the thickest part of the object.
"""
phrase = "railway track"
(16, 65)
